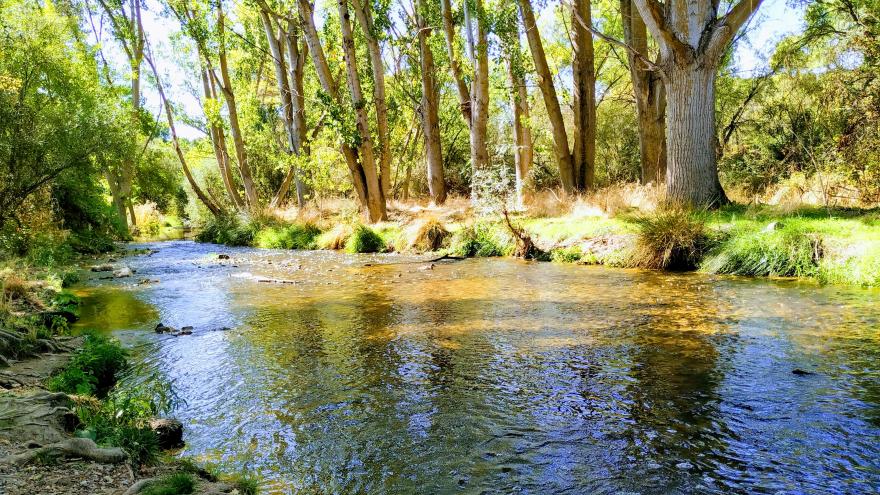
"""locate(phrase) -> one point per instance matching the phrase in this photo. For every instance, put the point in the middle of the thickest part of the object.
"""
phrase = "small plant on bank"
(428, 236)
(669, 239)
(93, 369)
(786, 252)
(335, 238)
(480, 240)
(180, 483)
(571, 254)
(246, 484)
(364, 240)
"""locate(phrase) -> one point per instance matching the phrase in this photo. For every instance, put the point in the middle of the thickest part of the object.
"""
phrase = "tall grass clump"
(230, 230)
(93, 369)
(784, 252)
(428, 235)
(669, 239)
(481, 240)
(295, 236)
(180, 483)
(364, 240)
(335, 238)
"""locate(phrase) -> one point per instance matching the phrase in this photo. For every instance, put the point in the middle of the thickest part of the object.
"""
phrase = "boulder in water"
(169, 432)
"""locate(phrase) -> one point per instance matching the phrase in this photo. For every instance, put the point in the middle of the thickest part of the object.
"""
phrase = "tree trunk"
(522, 134)
(218, 139)
(548, 90)
(247, 180)
(365, 19)
(430, 111)
(584, 154)
(296, 67)
(479, 89)
(692, 177)
(650, 98)
(375, 196)
(464, 96)
(325, 77)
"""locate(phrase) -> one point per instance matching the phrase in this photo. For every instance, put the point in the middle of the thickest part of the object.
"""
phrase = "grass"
(428, 235)
(293, 236)
(363, 239)
(482, 240)
(669, 239)
(93, 369)
(180, 483)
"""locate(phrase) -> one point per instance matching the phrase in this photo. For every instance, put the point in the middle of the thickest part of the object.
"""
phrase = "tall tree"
(584, 76)
(478, 47)
(430, 108)
(692, 38)
(561, 150)
(461, 87)
(519, 99)
(650, 97)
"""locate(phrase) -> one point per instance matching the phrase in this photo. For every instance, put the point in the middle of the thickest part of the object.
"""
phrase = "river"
(382, 374)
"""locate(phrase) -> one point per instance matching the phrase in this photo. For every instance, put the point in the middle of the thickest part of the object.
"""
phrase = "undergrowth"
(93, 369)
(363, 239)
(481, 240)
(180, 483)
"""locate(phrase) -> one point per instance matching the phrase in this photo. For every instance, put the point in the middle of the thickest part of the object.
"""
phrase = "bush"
(364, 240)
(480, 240)
(571, 254)
(93, 369)
(172, 484)
(296, 236)
(429, 236)
(670, 239)
(788, 252)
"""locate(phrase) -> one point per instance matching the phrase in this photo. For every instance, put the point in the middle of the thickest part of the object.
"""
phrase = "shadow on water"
(495, 376)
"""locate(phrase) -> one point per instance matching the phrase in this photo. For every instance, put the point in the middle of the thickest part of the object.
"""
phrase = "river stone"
(772, 226)
(123, 272)
(169, 432)
(102, 268)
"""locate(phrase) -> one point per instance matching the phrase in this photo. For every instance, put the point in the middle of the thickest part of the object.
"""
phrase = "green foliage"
(180, 483)
(481, 239)
(245, 483)
(670, 239)
(571, 254)
(785, 252)
(363, 239)
(295, 236)
(230, 230)
(93, 369)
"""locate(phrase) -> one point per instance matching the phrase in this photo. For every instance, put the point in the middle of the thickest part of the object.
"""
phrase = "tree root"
(73, 447)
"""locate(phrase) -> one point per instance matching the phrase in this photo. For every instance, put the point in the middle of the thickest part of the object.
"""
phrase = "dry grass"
(335, 238)
(426, 235)
(669, 239)
(14, 287)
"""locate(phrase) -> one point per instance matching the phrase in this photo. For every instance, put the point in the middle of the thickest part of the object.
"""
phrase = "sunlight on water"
(499, 376)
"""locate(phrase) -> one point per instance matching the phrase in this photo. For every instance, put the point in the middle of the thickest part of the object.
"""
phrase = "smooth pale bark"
(275, 38)
(462, 90)
(545, 81)
(692, 39)
(584, 77)
(479, 48)
(250, 190)
(218, 140)
(375, 195)
(325, 77)
(296, 68)
(211, 205)
(522, 134)
(364, 16)
(650, 98)
(430, 111)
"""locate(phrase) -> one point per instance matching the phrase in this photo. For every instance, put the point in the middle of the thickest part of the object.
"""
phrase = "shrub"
(669, 239)
(230, 230)
(787, 252)
(296, 236)
(364, 240)
(480, 240)
(173, 484)
(93, 369)
(245, 484)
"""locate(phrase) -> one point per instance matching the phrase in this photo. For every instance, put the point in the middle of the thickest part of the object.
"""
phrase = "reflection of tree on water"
(677, 358)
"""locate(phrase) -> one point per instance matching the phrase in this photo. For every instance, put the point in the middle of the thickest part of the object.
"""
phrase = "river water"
(376, 374)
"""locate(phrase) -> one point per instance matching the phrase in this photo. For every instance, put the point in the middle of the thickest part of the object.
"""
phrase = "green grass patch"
(230, 230)
(93, 369)
(295, 236)
(571, 254)
(482, 240)
(787, 252)
(363, 239)
(180, 483)
(670, 239)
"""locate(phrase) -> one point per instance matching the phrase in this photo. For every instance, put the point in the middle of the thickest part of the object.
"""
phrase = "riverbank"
(64, 426)
(829, 245)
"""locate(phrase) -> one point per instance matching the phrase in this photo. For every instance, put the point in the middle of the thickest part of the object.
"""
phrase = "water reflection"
(497, 376)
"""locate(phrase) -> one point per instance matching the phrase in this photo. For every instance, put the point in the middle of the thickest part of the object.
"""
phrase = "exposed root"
(72, 447)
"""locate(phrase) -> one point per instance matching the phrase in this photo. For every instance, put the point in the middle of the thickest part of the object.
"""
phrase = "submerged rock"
(800, 372)
(169, 433)
(102, 268)
(186, 331)
(123, 272)
(160, 328)
(222, 256)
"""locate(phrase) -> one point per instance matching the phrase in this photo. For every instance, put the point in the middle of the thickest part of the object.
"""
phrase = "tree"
(430, 111)
(692, 38)
(650, 97)
(584, 76)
